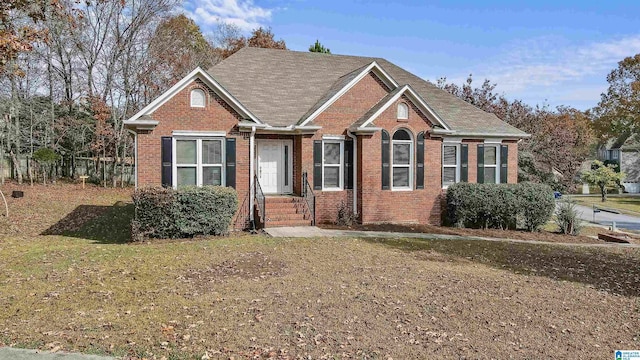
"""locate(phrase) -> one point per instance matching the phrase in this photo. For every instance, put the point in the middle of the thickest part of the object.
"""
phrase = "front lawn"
(624, 203)
(81, 289)
(257, 296)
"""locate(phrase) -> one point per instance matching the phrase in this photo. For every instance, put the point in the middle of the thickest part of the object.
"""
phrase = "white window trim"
(204, 98)
(498, 160)
(198, 165)
(340, 169)
(410, 165)
(457, 165)
(404, 116)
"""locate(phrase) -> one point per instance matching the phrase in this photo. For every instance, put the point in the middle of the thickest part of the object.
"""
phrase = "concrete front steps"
(286, 211)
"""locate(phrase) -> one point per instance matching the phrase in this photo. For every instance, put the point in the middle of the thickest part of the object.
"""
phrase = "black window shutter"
(480, 179)
(348, 164)
(420, 161)
(166, 155)
(230, 162)
(385, 161)
(504, 156)
(317, 165)
(464, 163)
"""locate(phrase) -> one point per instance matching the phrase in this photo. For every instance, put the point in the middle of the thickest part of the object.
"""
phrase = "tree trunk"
(603, 191)
(16, 165)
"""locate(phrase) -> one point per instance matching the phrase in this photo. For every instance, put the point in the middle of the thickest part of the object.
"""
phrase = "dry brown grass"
(257, 297)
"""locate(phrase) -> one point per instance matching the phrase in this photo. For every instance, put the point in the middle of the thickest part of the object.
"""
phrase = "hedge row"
(189, 211)
(500, 206)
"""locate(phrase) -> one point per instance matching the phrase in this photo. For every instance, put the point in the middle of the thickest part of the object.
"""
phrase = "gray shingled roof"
(283, 87)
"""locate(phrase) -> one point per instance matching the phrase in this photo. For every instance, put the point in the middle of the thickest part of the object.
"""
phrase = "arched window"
(402, 160)
(403, 111)
(197, 98)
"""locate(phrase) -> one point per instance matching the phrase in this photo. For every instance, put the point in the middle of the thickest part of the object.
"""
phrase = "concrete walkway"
(8, 353)
(314, 231)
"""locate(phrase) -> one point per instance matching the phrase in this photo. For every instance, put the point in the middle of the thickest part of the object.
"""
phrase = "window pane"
(401, 154)
(332, 153)
(211, 175)
(211, 152)
(448, 176)
(403, 111)
(401, 135)
(186, 176)
(489, 175)
(331, 177)
(197, 98)
(489, 155)
(450, 155)
(400, 177)
(186, 151)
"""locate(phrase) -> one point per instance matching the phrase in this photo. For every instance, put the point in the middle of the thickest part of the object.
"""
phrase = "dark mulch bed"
(542, 235)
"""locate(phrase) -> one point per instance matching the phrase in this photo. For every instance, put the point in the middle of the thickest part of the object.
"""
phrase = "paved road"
(623, 221)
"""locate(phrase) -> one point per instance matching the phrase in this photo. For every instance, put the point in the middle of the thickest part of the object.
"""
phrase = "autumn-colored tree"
(177, 47)
(260, 38)
(618, 111)
(319, 48)
(560, 141)
(603, 177)
(17, 28)
(104, 134)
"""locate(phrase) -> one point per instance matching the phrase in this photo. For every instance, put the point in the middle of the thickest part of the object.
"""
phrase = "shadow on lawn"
(617, 273)
(104, 224)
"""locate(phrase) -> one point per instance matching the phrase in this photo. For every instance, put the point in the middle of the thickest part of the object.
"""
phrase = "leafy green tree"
(319, 48)
(603, 177)
(619, 108)
(46, 158)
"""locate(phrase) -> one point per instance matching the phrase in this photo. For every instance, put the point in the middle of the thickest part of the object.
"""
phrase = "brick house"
(300, 135)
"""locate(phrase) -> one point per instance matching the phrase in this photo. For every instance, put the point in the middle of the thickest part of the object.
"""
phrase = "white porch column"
(252, 166)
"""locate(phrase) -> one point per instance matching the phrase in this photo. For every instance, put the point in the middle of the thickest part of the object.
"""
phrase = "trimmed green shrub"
(186, 212)
(536, 204)
(499, 206)
(567, 218)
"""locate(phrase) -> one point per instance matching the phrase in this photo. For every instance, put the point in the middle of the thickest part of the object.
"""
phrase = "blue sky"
(553, 52)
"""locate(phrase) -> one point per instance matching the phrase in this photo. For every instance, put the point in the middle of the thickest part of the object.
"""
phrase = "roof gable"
(390, 99)
(343, 85)
(198, 73)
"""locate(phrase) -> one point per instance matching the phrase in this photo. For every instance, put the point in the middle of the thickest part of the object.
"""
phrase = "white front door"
(275, 166)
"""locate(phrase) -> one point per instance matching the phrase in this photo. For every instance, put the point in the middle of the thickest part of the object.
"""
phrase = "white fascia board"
(452, 140)
(383, 75)
(417, 100)
(141, 124)
(197, 73)
(480, 135)
(189, 133)
(333, 137)
(367, 130)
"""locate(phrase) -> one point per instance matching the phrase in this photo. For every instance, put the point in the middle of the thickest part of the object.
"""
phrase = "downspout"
(355, 171)
(252, 190)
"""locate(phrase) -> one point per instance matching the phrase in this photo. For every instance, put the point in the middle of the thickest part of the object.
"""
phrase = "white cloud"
(242, 13)
(562, 71)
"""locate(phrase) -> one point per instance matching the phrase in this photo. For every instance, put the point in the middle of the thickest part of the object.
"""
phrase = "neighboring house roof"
(284, 88)
(624, 142)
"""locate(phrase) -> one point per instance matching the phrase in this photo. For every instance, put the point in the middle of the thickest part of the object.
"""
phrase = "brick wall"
(177, 114)
(417, 206)
(350, 107)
